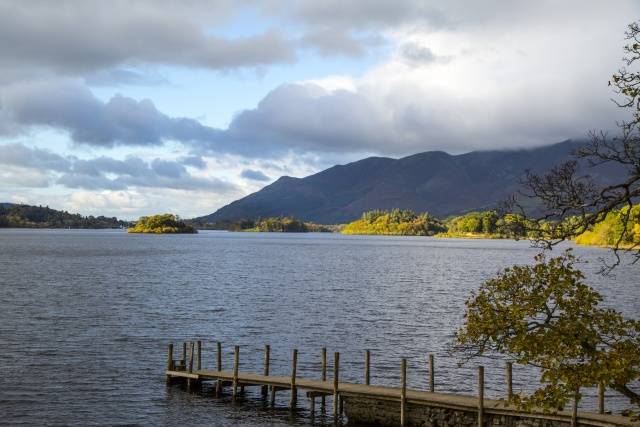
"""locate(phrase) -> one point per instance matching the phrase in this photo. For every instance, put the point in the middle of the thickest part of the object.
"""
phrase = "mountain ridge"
(432, 181)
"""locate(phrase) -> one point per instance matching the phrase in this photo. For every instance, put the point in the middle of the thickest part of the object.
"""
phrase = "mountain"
(434, 181)
(27, 216)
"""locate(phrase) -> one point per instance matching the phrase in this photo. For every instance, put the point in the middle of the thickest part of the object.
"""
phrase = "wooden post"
(236, 361)
(324, 374)
(170, 357)
(199, 349)
(184, 355)
(480, 396)
(219, 356)
(367, 371)
(294, 390)
(574, 412)
(273, 396)
(267, 355)
(191, 357)
(601, 398)
(218, 367)
(403, 392)
(509, 381)
(169, 362)
(336, 371)
(432, 384)
(312, 404)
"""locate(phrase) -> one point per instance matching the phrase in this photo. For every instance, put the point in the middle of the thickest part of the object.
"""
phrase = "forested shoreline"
(27, 216)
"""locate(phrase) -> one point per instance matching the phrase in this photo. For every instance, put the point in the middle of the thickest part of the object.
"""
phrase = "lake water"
(85, 317)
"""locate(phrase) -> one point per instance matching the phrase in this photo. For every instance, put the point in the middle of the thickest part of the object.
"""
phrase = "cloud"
(510, 84)
(329, 42)
(167, 168)
(254, 175)
(36, 158)
(120, 77)
(104, 173)
(194, 161)
(76, 38)
(458, 77)
(416, 54)
(365, 14)
(72, 107)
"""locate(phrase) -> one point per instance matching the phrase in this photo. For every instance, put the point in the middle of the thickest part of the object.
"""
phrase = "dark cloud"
(331, 42)
(365, 14)
(254, 175)
(299, 117)
(120, 77)
(401, 120)
(83, 37)
(106, 173)
(416, 54)
(131, 165)
(20, 155)
(168, 168)
(194, 161)
(120, 121)
(90, 182)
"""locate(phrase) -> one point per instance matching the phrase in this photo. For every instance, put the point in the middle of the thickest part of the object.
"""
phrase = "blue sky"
(128, 109)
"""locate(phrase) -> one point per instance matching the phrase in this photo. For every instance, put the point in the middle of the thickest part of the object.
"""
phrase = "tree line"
(27, 216)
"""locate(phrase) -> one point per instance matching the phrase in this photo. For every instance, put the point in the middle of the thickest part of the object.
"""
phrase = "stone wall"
(386, 413)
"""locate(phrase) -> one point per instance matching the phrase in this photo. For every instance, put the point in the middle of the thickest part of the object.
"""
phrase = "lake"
(85, 317)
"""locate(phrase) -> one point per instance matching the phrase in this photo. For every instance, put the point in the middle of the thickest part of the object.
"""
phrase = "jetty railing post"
(574, 412)
(191, 357)
(367, 370)
(184, 355)
(480, 396)
(170, 357)
(336, 372)
(218, 367)
(219, 356)
(199, 350)
(294, 368)
(169, 361)
(324, 374)
(509, 381)
(272, 401)
(189, 368)
(403, 392)
(312, 404)
(601, 398)
(267, 355)
(236, 361)
(432, 384)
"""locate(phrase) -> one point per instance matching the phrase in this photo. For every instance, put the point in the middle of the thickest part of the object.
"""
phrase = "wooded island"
(161, 224)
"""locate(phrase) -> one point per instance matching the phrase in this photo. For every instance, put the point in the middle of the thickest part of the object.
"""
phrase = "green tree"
(546, 316)
(161, 224)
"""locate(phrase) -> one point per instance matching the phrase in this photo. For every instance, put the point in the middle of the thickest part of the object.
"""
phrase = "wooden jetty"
(400, 401)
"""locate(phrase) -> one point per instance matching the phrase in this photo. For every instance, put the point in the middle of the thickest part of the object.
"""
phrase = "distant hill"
(27, 216)
(434, 181)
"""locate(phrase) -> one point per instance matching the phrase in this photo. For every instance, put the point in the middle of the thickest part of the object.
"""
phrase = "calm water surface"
(85, 317)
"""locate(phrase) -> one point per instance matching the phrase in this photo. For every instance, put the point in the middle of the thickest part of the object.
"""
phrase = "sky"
(129, 108)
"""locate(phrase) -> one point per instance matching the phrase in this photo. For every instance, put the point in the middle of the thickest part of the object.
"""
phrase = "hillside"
(435, 182)
(26, 216)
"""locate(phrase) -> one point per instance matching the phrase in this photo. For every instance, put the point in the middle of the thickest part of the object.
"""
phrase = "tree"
(571, 198)
(544, 315)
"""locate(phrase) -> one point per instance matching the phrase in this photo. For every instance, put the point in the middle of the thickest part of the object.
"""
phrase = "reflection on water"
(85, 316)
